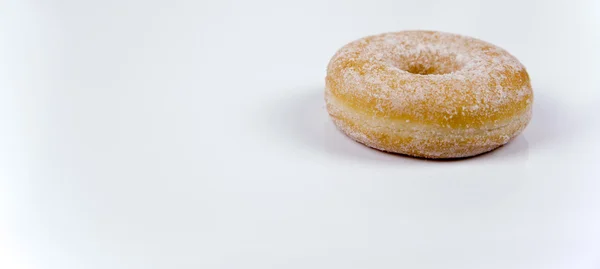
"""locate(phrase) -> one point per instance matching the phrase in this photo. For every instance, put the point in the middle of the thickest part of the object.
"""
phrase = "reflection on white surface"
(181, 134)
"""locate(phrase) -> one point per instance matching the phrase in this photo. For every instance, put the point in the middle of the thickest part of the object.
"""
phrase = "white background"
(192, 134)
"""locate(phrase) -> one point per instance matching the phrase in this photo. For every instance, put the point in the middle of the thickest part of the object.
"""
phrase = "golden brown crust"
(460, 96)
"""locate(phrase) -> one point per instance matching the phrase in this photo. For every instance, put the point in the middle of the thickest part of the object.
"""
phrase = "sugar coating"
(456, 96)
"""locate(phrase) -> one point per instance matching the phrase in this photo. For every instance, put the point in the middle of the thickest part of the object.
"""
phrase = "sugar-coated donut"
(428, 94)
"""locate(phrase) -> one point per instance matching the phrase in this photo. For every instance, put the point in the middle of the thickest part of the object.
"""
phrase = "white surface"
(192, 134)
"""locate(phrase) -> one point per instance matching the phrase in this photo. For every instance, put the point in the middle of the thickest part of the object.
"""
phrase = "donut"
(428, 94)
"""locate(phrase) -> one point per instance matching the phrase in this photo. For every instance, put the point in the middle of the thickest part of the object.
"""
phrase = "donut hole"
(430, 63)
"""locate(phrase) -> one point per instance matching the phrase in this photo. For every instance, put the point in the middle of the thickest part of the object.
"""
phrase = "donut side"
(420, 140)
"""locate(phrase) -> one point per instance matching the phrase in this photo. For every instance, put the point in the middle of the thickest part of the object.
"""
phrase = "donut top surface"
(429, 77)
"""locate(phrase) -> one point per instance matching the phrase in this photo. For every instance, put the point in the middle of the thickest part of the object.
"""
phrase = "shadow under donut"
(303, 119)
